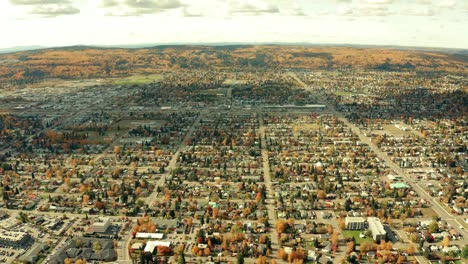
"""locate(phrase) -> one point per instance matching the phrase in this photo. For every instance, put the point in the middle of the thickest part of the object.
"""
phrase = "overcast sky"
(427, 23)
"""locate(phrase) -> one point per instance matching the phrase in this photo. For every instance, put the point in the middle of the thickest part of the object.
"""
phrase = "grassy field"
(343, 93)
(232, 82)
(355, 234)
(222, 91)
(138, 79)
(304, 128)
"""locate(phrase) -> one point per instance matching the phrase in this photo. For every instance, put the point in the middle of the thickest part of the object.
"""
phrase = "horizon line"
(221, 44)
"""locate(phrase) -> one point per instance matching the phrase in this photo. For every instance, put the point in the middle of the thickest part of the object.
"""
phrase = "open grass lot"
(392, 129)
(128, 124)
(138, 79)
(232, 82)
(428, 212)
(344, 93)
(220, 91)
(355, 234)
(305, 127)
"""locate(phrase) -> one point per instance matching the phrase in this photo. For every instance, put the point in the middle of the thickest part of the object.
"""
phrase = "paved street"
(270, 199)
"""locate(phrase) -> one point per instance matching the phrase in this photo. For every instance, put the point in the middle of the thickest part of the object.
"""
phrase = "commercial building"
(355, 223)
(101, 225)
(14, 239)
(152, 245)
(377, 229)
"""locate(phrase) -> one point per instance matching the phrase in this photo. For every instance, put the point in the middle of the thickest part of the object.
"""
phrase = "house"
(451, 249)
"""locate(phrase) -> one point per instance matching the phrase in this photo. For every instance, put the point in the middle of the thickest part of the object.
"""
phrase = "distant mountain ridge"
(210, 44)
(21, 48)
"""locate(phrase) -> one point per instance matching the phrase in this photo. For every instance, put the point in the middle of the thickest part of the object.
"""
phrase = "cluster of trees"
(297, 255)
(144, 224)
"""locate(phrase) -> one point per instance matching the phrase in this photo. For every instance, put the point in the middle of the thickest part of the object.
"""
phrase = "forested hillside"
(81, 62)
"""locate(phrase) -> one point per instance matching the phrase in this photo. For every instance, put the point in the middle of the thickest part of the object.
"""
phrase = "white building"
(143, 235)
(101, 225)
(151, 245)
(377, 229)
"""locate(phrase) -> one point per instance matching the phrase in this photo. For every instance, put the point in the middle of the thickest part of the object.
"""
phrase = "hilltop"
(79, 62)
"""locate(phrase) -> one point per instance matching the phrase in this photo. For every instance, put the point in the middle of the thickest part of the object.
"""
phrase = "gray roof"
(31, 254)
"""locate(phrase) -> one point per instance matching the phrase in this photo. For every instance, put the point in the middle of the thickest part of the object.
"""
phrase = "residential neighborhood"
(232, 166)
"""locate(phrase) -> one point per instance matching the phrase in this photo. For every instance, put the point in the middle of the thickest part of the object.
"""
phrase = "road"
(454, 221)
(172, 164)
(123, 254)
(269, 200)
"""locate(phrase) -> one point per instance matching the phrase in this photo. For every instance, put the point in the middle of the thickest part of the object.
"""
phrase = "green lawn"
(233, 81)
(343, 93)
(138, 79)
(215, 91)
(355, 234)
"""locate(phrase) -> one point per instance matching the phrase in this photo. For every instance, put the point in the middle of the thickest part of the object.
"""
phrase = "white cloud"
(364, 10)
(424, 2)
(252, 7)
(427, 11)
(378, 2)
(446, 3)
(55, 10)
(47, 8)
(262, 7)
(39, 2)
(138, 7)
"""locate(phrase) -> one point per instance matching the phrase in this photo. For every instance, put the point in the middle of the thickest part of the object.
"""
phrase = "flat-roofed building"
(144, 235)
(152, 245)
(101, 225)
(355, 223)
(377, 229)
(14, 238)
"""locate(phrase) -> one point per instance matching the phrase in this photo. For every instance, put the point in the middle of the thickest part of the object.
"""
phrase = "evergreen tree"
(181, 259)
(240, 258)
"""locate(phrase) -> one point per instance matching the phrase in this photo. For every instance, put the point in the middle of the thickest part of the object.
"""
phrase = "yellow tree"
(117, 150)
(383, 245)
(80, 261)
(341, 223)
(282, 254)
(446, 241)
(261, 260)
(195, 250)
(321, 194)
(411, 249)
(389, 245)
(349, 247)
(281, 226)
(335, 239)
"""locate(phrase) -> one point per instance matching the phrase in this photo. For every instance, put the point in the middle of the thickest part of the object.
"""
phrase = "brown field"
(392, 129)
